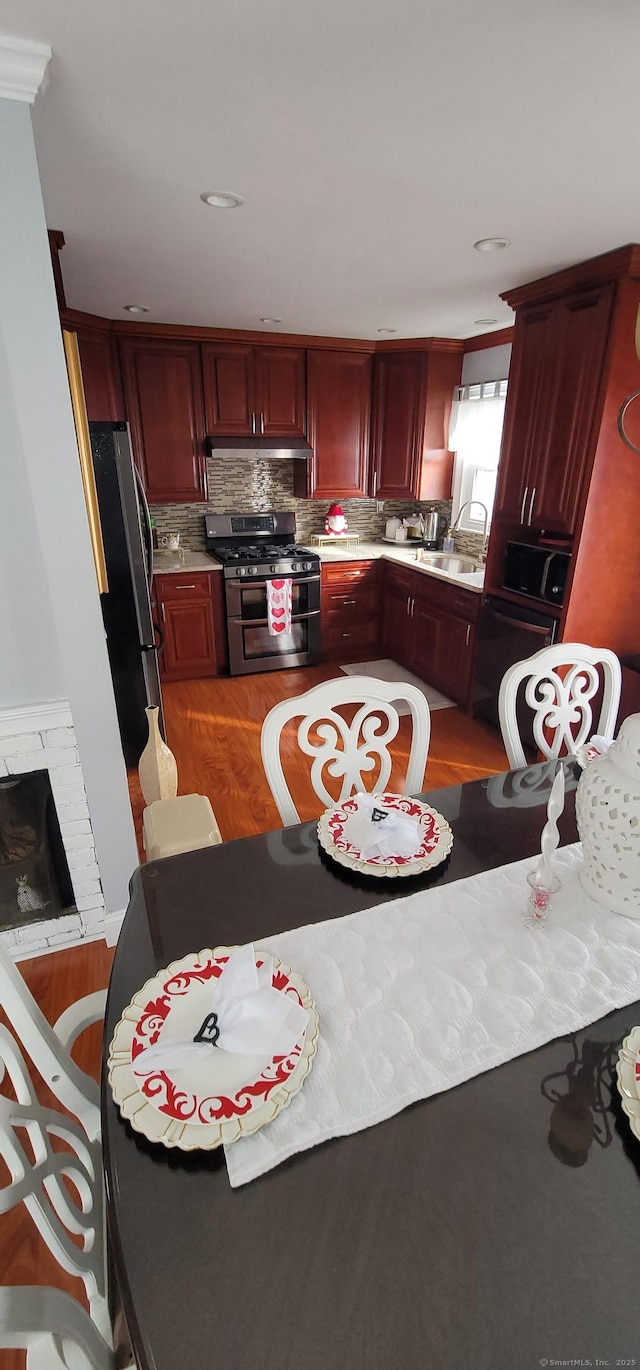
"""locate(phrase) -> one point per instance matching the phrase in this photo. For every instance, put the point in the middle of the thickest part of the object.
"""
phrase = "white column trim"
(22, 68)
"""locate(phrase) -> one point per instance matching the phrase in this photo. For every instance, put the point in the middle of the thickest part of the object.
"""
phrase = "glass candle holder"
(541, 892)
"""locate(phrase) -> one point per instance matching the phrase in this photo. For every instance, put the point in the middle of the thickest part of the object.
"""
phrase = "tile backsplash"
(241, 484)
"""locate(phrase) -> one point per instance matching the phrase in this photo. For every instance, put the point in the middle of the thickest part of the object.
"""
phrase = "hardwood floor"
(213, 728)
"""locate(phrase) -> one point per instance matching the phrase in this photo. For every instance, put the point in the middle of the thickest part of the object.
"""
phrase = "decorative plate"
(198, 1107)
(628, 1071)
(437, 838)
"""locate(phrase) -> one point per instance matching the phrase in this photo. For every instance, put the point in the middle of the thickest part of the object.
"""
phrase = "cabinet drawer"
(350, 602)
(340, 638)
(183, 585)
(402, 578)
(349, 573)
(465, 603)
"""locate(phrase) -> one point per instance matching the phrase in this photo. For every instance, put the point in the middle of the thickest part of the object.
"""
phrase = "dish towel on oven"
(420, 994)
(279, 605)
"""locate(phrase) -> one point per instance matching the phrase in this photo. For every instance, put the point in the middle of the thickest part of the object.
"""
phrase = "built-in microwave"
(538, 572)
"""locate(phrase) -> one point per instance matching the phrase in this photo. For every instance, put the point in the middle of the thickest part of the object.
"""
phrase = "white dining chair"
(37, 1170)
(346, 750)
(561, 684)
(53, 1329)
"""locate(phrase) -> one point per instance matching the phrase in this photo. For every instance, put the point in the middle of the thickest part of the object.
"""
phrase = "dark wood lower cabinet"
(429, 627)
(351, 610)
(185, 611)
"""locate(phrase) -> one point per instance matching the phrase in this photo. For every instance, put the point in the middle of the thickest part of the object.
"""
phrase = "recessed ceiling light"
(491, 244)
(136, 308)
(265, 319)
(221, 199)
(485, 321)
(387, 330)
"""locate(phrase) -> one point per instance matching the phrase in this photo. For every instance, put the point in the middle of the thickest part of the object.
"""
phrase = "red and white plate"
(215, 1101)
(628, 1071)
(435, 845)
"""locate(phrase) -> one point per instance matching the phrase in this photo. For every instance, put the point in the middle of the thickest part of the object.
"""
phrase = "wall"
(52, 607)
(488, 364)
(240, 483)
(30, 666)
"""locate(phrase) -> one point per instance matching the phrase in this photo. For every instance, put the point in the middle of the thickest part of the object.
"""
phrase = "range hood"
(267, 448)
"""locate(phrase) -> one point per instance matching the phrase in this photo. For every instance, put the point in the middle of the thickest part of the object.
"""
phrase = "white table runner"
(417, 995)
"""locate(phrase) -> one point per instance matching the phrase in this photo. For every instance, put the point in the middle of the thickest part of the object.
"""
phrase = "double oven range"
(253, 549)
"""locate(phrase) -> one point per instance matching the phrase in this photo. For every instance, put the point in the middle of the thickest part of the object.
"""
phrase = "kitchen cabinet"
(430, 627)
(165, 408)
(557, 361)
(101, 378)
(350, 609)
(412, 397)
(338, 407)
(254, 391)
(185, 616)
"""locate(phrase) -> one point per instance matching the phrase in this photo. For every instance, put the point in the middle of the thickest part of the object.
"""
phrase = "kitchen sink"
(449, 561)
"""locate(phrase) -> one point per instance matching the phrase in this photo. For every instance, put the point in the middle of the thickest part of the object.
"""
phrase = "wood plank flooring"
(213, 728)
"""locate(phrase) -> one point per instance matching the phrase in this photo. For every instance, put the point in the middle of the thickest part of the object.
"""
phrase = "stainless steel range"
(253, 549)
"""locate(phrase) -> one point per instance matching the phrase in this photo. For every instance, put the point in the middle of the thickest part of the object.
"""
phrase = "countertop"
(166, 563)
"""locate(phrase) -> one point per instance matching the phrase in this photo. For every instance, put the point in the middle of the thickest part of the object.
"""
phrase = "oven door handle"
(262, 622)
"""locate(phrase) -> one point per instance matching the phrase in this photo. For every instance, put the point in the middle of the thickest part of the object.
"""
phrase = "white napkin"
(378, 831)
(252, 1018)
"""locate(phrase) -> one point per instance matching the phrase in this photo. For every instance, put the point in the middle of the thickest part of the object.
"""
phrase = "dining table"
(492, 1226)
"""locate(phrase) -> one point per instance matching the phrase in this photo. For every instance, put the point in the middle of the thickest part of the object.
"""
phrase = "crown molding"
(23, 65)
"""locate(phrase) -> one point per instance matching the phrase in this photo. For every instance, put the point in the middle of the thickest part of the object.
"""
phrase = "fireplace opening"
(34, 875)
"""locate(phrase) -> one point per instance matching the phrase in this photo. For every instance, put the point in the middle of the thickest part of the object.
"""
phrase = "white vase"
(157, 770)
(608, 817)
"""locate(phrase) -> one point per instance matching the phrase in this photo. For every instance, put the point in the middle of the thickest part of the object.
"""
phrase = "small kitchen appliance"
(434, 526)
(254, 549)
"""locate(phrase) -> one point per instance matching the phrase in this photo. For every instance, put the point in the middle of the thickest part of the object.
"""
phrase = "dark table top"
(495, 1225)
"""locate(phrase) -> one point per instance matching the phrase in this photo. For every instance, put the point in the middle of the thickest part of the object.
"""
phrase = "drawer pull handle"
(468, 634)
(185, 587)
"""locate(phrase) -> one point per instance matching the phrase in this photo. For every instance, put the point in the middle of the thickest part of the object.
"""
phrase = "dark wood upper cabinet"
(279, 389)
(412, 396)
(101, 375)
(254, 391)
(533, 379)
(227, 370)
(581, 324)
(557, 363)
(338, 404)
(163, 392)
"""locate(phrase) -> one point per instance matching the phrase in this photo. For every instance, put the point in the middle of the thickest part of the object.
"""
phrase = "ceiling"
(373, 141)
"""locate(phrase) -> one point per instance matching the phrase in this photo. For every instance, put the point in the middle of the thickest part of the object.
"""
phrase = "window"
(475, 434)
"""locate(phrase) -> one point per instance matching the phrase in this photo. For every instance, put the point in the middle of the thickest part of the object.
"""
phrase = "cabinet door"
(582, 324)
(230, 406)
(163, 391)
(188, 638)
(100, 376)
(530, 401)
(399, 382)
(427, 642)
(279, 374)
(397, 626)
(338, 403)
(457, 646)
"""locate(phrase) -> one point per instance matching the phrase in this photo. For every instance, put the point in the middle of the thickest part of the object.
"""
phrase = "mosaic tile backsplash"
(239, 485)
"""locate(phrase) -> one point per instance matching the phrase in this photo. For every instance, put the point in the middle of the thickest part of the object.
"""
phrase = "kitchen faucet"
(485, 511)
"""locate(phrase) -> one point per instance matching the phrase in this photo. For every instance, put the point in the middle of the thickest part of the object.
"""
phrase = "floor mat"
(390, 671)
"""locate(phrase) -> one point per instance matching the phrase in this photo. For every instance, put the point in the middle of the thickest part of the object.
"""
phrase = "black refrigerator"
(127, 606)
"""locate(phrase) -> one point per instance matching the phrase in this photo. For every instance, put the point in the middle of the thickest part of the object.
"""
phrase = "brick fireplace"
(42, 739)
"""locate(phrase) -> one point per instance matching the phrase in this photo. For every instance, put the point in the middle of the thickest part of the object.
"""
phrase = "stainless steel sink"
(448, 561)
